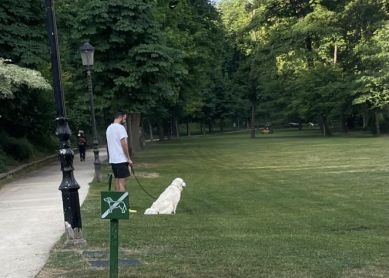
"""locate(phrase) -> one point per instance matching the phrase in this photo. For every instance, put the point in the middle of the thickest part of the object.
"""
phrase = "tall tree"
(23, 44)
(23, 37)
(373, 79)
(194, 29)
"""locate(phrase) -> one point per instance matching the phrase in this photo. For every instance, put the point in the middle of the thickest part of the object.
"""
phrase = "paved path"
(31, 216)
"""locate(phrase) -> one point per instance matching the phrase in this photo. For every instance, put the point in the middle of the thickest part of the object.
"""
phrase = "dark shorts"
(120, 170)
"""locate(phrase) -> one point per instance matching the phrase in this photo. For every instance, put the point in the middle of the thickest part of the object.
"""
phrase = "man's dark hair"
(119, 114)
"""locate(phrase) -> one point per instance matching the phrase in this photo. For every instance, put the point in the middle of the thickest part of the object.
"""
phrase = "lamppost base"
(97, 162)
(98, 176)
(75, 244)
(74, 238)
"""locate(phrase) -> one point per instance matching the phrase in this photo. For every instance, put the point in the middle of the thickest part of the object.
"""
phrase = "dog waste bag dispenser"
(114, 206)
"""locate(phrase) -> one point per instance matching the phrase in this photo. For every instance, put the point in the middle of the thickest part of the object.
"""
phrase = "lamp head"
(87, 54)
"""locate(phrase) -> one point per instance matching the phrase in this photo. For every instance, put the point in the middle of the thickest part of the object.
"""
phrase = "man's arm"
(123, 142)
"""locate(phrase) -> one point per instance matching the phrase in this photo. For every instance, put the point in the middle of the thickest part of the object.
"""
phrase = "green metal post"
(114, 249)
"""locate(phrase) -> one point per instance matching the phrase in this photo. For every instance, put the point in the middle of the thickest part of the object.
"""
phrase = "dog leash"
(109, 182)
(140, 185)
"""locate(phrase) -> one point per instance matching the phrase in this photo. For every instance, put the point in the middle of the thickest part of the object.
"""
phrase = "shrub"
(18, 148)
(3, 164)
(45, 143)
(3, 139)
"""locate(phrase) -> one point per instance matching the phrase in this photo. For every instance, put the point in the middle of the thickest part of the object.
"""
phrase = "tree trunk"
(188, 128)
(129, 132)
(161, 131)
(135, 131)
(344, 124)
(325, 128)
(335, 54)
(150, 130)
(209, 126)
(308, 45)
(221, 125)
(252, 122)
(170, 129)
(365, 119)
(377, 123)
(177, 127)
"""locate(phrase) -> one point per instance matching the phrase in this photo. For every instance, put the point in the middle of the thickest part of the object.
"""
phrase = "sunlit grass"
(290, 204)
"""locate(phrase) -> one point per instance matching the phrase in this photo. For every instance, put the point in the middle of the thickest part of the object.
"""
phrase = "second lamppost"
(87, 57)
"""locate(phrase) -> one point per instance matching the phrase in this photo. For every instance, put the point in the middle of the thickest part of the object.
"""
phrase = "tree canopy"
(13, 76)
(312, 60)
(225, 62)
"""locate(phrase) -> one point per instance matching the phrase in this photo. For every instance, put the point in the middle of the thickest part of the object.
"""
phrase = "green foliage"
(295, 60)
(3, 161)
(193, 37)
(18, 148)
(23, 36)
(148, 58)
(28, 114)
(131, 68)
(44, 143)
(291, 48)
(26, 107)
(320, 91)
(14, 150)
(13, 76)
(373, 79)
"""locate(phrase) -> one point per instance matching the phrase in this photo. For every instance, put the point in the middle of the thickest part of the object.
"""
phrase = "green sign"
(114, 205)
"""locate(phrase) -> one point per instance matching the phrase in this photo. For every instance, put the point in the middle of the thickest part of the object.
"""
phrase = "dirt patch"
(51, 272)
(147, 175)
(368, 271)
(145, 165)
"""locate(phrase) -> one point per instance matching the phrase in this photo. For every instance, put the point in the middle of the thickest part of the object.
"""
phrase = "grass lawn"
(290, 204)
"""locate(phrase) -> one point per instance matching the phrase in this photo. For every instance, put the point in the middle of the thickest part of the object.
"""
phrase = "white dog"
(168, 200)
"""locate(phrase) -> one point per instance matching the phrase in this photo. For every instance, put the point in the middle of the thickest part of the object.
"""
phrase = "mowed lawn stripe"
(290, 204)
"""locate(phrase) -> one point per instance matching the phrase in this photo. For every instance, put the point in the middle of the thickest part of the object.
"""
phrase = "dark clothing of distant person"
(82, 146)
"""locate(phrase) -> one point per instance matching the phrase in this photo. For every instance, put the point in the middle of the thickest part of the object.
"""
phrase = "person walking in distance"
(81, 144)
(119, 156)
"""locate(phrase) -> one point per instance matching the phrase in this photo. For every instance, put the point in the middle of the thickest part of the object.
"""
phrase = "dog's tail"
(151, 211)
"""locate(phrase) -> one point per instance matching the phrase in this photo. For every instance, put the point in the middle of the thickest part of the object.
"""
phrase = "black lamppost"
(87, 57)
(69, 186)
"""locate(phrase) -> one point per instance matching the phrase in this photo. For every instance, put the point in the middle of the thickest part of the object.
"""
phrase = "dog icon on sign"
(121, 205)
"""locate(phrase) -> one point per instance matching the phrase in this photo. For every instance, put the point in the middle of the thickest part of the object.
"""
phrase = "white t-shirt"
(116, 132)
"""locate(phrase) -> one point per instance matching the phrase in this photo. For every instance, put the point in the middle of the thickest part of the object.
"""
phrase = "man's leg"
(121, 172)
(121, 184)
(117, 186)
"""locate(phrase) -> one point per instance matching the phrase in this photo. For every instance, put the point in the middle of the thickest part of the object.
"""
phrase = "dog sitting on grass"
(168, 200)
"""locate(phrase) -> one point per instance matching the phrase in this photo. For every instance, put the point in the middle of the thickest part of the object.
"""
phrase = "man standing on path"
(119, 157)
